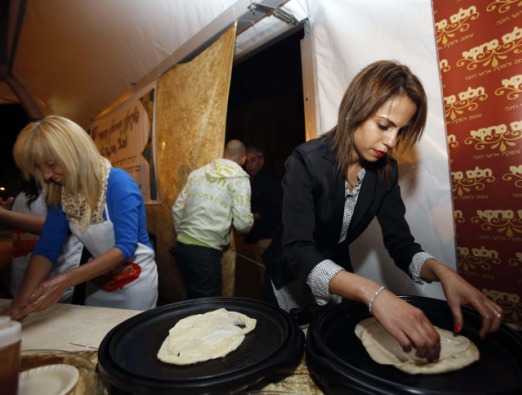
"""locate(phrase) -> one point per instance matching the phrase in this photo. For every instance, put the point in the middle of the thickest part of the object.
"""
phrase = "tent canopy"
(75, 58)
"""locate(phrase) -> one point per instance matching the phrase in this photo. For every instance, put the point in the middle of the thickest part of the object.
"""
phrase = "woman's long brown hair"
(367, 92)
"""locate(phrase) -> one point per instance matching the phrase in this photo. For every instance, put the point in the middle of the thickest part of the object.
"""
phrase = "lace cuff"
(416, 266)
(319, 281)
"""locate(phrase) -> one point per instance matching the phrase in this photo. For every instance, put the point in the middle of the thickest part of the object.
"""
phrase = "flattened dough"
(456, 351)
(202, 337)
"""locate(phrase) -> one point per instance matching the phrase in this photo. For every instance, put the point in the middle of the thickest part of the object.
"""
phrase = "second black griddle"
(340, 364)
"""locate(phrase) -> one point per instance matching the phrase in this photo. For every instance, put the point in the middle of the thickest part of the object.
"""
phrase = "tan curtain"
(191, 110)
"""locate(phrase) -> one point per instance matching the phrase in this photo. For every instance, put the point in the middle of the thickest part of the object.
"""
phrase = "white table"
(69, 327)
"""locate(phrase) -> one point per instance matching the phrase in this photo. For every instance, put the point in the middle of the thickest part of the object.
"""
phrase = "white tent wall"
(78, 56)
(346, 36)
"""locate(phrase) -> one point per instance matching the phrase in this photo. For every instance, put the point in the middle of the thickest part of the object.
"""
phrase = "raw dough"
(456, 351)
(202, 337)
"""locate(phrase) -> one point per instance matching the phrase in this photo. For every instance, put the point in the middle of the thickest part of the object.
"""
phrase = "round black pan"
(340, 364)
(128, 363)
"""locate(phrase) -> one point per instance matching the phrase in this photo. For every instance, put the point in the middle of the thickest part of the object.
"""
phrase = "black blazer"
(312, 214)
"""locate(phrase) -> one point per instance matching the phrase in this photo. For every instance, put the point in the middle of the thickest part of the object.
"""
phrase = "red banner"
(480, 54)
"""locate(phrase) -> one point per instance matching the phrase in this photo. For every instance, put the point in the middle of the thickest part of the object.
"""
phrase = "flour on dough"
(456, 351)
(202, 337)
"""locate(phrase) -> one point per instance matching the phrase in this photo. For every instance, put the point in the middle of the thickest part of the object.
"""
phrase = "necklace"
(352, 175)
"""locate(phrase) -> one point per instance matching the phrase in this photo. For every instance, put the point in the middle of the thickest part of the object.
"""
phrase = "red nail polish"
(457, 328)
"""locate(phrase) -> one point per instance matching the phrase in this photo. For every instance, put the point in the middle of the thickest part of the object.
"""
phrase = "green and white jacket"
(215, 197)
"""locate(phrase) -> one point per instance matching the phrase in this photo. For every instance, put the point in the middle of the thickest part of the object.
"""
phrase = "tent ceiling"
(79, 56)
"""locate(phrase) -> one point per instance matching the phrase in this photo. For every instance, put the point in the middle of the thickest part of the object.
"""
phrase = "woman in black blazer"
(335, 185)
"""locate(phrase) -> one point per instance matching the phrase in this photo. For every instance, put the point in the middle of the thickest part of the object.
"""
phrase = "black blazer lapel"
(366, 197)
(338, 201)
(338, 197)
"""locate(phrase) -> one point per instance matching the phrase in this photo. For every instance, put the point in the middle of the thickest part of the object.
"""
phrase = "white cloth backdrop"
(347, 35)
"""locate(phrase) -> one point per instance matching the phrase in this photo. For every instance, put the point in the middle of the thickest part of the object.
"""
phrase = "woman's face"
(376, 136)
(52, 172)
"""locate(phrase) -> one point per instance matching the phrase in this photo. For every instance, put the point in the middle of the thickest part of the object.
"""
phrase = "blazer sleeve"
(397, 236)
(299, 219)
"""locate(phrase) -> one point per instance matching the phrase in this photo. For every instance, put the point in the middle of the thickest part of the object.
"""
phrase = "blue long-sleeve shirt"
(126, 211)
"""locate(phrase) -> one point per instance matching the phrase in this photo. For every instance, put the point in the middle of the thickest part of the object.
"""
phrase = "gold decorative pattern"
(476, 179)
(507, 222)
(516, 260)
(515, 175)
(491, 52)
(444, 65)
(458, 216)
(458, 22)
(502, 6)
(510, 303)
(478, 258)
(298, 383)
(511, 86)
(465, 101)
(496, 137)
(452, 141)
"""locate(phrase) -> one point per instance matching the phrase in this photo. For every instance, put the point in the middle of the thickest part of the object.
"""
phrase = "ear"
(242, 160)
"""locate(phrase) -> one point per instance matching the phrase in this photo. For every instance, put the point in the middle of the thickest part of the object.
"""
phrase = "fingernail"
(457, 328)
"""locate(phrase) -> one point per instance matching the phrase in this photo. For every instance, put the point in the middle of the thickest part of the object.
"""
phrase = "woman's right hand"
(408, 325)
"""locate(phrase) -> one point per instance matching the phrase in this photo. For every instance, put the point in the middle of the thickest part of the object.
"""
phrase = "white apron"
(68, 260)
(140, 294)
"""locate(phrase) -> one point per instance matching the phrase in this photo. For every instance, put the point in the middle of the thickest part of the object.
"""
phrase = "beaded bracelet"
(372, 299)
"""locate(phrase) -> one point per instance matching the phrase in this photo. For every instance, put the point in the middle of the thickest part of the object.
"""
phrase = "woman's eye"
(382, 127)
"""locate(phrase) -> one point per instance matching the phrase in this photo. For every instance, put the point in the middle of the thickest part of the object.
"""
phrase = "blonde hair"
(60, 140)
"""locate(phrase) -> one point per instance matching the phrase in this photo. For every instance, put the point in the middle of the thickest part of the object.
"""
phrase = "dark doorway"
(265, 107)
(265, 110)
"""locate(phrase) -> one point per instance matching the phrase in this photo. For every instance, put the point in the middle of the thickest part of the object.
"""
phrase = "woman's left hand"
(459, 292)
(48, 293)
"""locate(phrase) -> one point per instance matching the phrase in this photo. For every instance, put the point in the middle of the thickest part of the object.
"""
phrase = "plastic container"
(10, 342)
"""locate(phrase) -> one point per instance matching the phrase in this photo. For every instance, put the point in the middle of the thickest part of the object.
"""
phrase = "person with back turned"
(214, 198)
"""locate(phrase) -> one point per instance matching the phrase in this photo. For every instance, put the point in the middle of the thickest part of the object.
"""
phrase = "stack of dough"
(456, 351)
(202, 337)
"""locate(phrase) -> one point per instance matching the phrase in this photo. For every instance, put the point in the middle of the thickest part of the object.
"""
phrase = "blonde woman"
(97, 203)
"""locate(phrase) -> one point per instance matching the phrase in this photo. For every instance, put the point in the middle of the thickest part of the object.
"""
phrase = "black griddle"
(127, 361)
(339, 363)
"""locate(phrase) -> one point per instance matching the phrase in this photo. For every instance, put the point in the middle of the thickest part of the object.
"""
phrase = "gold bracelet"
(372, 299)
